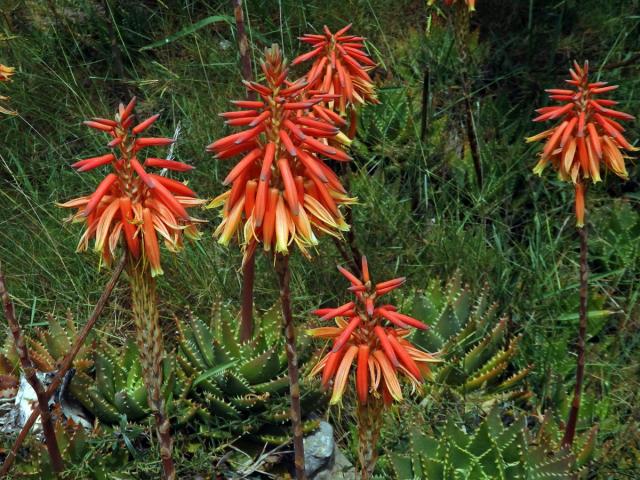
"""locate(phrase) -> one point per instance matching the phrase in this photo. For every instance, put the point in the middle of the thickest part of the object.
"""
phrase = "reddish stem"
(243, 43)
(572, 421)
(284, 277)
(248, 267)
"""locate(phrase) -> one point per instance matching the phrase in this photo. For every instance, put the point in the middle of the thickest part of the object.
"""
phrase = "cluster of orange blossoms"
(470, 3)
(374, 337)
(130, 202)
(587, 136)
(6, 72)
(340, 67)
(281, 190)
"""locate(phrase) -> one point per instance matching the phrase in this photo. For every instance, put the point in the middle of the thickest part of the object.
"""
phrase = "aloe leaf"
(217, 370)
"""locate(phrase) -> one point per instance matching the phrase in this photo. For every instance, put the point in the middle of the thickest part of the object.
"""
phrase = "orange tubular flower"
(281, 190)
(587, 136)
(129, 202)
(374, 338)
(340, 68)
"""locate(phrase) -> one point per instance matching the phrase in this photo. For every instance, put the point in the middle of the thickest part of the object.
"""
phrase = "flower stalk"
(572, 421)
(586, 139)
(246, 311)
(284, 277)
(243, 43)
(144, 305)
(249, 263)
(133, 209)
(369, 416)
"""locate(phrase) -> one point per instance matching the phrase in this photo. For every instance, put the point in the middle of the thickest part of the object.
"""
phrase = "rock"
(323, 460)
(319, 450)
(342, 469)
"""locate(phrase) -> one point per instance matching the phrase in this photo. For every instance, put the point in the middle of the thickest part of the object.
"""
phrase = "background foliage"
(421, 212)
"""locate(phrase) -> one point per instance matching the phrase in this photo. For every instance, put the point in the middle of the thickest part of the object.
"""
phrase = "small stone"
(342, 469)
(319, 449)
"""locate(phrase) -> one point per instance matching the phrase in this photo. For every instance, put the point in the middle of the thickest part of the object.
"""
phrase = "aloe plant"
(237, 388)
(9, 383)
(473, 341)
(549, 434)
(49, 347)
(80, 449)
(118, 390)
(490, 452)
(9, 368)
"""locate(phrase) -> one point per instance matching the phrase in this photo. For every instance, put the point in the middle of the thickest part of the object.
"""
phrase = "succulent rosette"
(130, 203)
(282, 191)
(587, 138)
(373, 338)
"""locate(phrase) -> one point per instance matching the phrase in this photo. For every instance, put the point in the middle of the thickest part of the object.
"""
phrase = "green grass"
(420, 212)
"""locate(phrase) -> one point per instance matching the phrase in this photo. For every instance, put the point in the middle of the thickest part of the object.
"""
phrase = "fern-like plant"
(473, 341)
(237, 388)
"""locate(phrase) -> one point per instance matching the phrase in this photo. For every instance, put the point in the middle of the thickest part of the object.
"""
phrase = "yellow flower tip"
(218, 201)
(538, 169)
(156, 271)
(342, 225)
(224, 240)
(344, 199)
(193, 234)
(343, 139)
